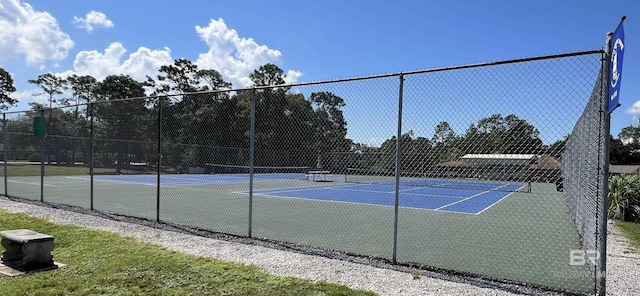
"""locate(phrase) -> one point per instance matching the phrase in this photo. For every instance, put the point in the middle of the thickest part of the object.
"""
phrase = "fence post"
(252, 145)
(601, 270)
(159, 160)
(91, 155)
(398, 168)
(42, 143)
(4, 144)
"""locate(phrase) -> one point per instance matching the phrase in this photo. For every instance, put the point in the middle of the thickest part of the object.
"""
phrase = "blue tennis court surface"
(432, 196)
(468, 201)
(189, 179)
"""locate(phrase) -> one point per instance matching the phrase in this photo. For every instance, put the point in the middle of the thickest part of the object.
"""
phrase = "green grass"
(102, 263)
(632, 231)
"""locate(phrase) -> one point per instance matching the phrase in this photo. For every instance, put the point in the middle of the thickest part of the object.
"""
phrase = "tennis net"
(263, 172)
(433, 179)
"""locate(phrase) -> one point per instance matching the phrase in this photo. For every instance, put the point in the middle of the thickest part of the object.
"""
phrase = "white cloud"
(236, 57)
(292, 76)
(375, 141)
(28, 96)
(30, 33)
(114, 61)
(93, 19)
(634, 110)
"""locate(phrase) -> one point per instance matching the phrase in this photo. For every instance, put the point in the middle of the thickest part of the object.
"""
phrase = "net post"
(601, 269)
(398, 169)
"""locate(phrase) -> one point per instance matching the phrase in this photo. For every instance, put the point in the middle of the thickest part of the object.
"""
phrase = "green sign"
(38, 126)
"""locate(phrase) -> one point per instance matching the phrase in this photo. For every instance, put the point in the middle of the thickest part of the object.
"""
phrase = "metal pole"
(159, 155)
(4, 144)
(252, 144)
(398, 169)
(42, 143)
(601, 270)
(91, 155)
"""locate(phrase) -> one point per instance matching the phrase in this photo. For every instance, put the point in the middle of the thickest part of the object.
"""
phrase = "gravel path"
(359, 273)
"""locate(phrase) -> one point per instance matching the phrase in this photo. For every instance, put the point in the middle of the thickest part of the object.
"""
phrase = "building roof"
(624, 169)
(454, 164)
(498, 159)
(541, 161)
(499, 156)
(546, 162)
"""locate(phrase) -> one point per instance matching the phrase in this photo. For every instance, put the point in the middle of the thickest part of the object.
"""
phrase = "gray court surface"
(524, 237)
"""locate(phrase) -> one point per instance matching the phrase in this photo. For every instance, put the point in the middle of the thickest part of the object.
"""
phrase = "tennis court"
(321, 183)
(470, 201)
(446, 195)
(188, 179)
(489, 228)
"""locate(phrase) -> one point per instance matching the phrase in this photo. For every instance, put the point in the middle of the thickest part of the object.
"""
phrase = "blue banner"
(615, 66)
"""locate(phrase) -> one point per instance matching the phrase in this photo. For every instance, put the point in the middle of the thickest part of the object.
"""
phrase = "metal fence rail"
(489, 169)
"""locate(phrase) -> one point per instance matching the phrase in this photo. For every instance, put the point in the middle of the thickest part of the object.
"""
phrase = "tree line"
(496, 134)
(203, 120)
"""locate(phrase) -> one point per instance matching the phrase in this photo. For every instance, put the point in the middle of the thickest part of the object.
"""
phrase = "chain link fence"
(22, 154)
(583, 176)
(488, 170)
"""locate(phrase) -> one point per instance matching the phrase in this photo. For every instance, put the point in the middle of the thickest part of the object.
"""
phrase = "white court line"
(276, 191)
(403, 191)
(410, 189)
(214, 181)
(424, 194)
(110, 181)
(475, 195)
(271, 194)
(499, 200)
(31, 183)
(176, 177)
(455, 212)
(336, 187)
(355, 203)
(331, 200)
(284, 190)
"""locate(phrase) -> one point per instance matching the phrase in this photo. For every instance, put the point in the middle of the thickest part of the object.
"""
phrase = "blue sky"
(310, 40)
